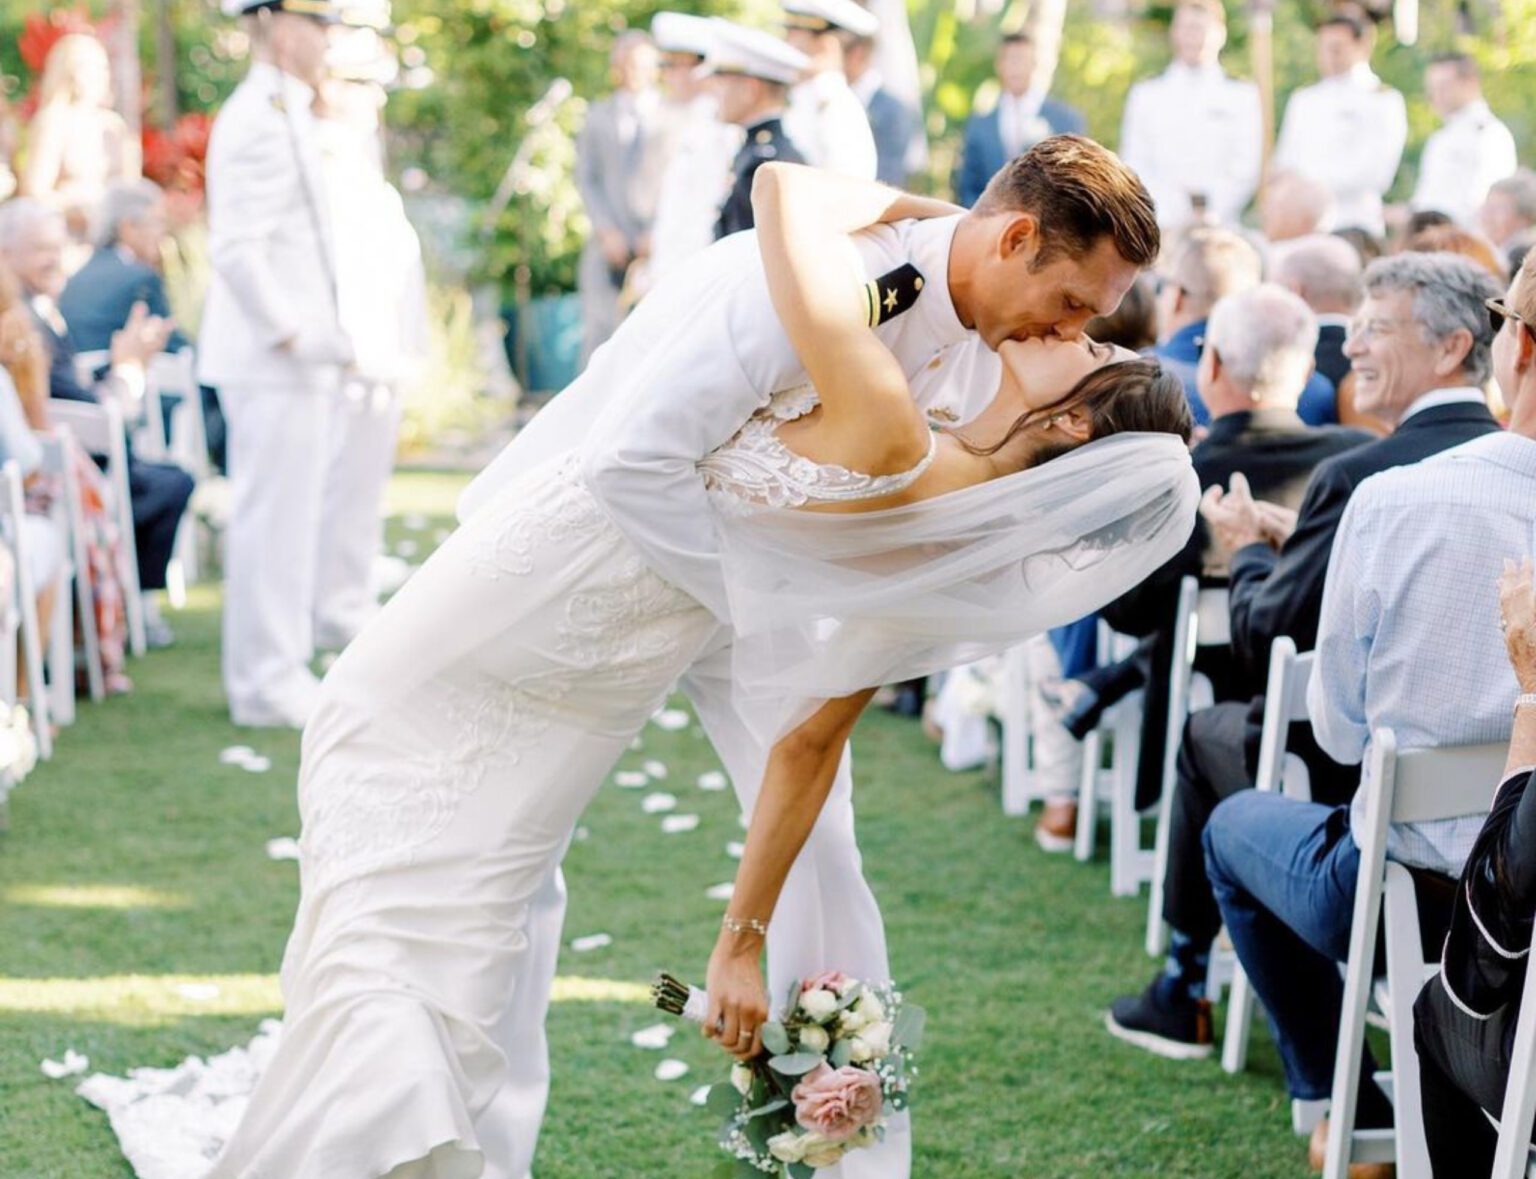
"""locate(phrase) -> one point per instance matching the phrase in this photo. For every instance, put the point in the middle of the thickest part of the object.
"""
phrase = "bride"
(459, 738)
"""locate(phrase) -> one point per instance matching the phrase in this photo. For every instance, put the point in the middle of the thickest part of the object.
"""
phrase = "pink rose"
(828, 980)
(838, 1104)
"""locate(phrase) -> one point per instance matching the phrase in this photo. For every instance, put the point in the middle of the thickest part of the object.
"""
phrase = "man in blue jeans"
(1418, 547)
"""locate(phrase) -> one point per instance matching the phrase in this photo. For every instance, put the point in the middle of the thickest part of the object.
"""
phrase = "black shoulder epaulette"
(889, 295)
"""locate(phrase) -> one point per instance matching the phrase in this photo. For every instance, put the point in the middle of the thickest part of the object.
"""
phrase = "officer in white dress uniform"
(1470, 152)
(1347, 130)
(273, 344)
(826, 120)
(1194, 135)
(381, 289)
(698, 176)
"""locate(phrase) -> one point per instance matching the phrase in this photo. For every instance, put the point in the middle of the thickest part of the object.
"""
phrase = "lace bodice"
(755, 469)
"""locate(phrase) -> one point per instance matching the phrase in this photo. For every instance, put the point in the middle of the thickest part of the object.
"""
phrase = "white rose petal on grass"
(581, 835)
(654, 1038)
(720, 892)
(236, 755)
(671, 1070)
(630, 780)
(735, 849)
(658, 803)
(72, 1065)
(679, 824)
(256, 764)
(656, 769)
(671, 720)
(198, 992)
(440, 535)
(636, 745)
(282, 848)
(590, 942)
(700, 1096)
(407, 549)
(414, 521)
(713, 780)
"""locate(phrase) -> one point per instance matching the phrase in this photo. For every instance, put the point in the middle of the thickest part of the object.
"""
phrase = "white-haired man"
(1325, 271)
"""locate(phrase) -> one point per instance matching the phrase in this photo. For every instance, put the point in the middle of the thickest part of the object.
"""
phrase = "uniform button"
(936, 362)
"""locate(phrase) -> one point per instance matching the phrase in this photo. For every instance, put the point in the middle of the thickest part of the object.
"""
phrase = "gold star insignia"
(890, 301)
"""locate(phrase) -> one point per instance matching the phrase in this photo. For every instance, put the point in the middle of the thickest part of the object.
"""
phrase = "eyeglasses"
(1499, 311)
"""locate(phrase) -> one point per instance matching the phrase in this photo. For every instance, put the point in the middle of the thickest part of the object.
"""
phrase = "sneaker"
(1056, 830)
(1163, 1020)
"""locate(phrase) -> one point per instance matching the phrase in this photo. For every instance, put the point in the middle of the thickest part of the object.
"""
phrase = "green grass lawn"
(135, 863)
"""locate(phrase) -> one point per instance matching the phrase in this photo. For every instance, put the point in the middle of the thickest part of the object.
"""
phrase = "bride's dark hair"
(1128, 396)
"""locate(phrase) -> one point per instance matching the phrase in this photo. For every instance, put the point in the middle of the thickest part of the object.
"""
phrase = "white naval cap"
(822, 15)
(681, 32)
(325, 10)
(736, 49)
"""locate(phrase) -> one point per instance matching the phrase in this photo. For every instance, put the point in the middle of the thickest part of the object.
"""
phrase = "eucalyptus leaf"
(841, 1054)
(908, 1029)
(723, 1100)
(745, 1170)
(851, 996)
(796, 1064)
(773, 1106)
(775, 1038)
(801, 1171)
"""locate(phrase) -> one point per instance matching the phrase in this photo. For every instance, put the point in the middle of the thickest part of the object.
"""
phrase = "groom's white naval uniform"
(697, 357)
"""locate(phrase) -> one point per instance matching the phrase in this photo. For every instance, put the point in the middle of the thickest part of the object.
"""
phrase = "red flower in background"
(43, 30)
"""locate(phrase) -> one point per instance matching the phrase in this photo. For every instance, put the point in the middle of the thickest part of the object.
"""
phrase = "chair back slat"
(1447, 783)
(1214, 618)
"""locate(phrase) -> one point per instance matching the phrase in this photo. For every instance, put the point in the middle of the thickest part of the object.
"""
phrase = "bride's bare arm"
(800, 773)
(803, 218)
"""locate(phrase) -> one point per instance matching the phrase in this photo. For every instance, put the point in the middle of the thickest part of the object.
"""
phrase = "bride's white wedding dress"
(455, 744)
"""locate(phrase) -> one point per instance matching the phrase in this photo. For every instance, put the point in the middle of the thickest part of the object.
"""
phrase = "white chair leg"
(1129, 865)
(61, 651)
(1016, 771)
(1405, 973)
(1087, 797)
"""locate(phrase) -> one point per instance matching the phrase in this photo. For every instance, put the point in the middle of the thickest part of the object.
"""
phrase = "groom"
(1056, 239)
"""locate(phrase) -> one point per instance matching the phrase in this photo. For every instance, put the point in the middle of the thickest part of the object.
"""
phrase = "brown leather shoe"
(1057, 829)
(1317, 1155)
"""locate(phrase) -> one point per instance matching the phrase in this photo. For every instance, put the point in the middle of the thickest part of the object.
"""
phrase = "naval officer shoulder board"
(892, 293)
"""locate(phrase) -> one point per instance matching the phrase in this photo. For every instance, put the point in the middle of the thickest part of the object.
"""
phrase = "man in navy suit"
(1022, 118)
(891, 121)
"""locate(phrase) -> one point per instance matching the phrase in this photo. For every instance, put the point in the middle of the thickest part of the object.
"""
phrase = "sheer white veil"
(826, 604)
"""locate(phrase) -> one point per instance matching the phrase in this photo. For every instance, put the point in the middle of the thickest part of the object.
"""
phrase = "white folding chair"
(1019, 782)
(1512, 1159)
(174, 374)
(75, 596)
(1202, 619)
(1414, 786)
(13, 512)
(1285, 703)
(99, 429)
(88, 364)
(1130, 864)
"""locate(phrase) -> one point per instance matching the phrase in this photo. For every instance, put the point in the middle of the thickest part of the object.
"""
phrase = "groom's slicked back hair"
(1080, 192)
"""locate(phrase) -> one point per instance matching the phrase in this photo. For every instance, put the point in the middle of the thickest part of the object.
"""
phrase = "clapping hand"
(1233, 517)
(141, 338)
(1276, 522)
(1517, 606)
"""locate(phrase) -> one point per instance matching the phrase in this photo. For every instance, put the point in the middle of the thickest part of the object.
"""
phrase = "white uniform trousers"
(363, 431)
(279, 446)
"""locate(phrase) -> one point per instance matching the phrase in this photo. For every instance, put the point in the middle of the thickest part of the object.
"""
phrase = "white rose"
(870, 1007)
(859, 1050)
(818, 1004)
(820, 1152)
(814, 1039)
(788, 1147)
(741, 1079)
(878, 1037)
(852, 1020)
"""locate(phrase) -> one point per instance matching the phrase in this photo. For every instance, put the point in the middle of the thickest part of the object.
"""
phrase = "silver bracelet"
(744, 925)
(1525, 700)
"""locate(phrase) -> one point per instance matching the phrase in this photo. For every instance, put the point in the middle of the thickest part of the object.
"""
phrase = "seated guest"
(1416, 546)
(1208, 265)
(123, 270)
(1292, 206)
(1465, 1017)
(1448, 239)
(1419, 347)
(1365, 243)
(1508, 215)
(32, 240)
(1258, 353)
(1023, 116)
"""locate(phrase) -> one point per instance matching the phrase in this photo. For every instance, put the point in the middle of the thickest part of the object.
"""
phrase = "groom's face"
(1021, 298)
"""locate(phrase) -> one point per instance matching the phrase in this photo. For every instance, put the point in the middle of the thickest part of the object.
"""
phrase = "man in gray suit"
(619, 161)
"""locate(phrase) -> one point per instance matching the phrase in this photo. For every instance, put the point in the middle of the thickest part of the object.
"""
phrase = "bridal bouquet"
(832, 1069)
